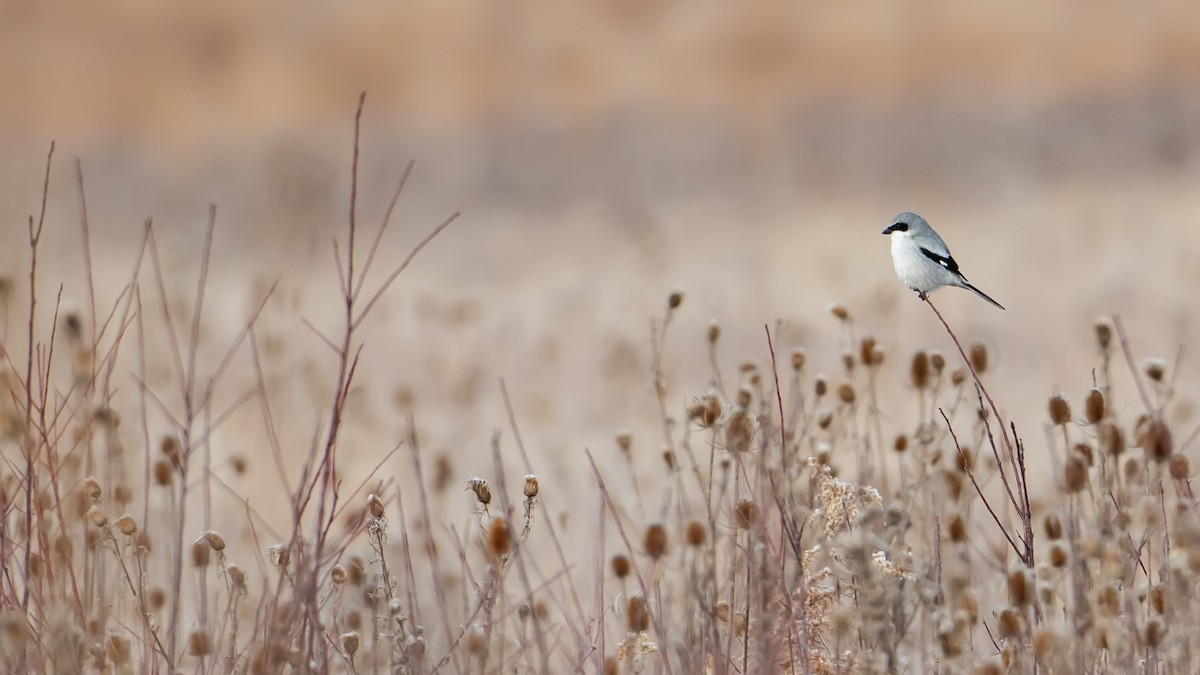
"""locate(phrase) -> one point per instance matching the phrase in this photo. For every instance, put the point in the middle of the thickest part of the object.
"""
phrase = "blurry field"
(602, 158)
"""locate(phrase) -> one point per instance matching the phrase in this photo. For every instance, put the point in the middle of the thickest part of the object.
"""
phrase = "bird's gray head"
(907, 222)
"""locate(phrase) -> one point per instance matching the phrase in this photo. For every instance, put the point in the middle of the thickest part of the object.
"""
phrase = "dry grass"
(793, 526)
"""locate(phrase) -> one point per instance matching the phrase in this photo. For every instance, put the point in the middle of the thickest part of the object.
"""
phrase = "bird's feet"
(922, 295)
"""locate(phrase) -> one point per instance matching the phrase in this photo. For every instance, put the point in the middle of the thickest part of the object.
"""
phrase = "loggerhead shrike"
(922, 260)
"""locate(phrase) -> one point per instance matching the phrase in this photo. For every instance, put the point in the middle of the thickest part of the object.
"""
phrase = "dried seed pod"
(375, 505)
(637, 614)
(958, 376)
(1111, 439)
(839, 311)
(1178, 467)
(744, 397)
(1060, 410)
(900, 444)
(696, 533)
(714, 332)
(978, 355)
(531, 486)
(1154, 437)
(846, 393)
(500, 538)
(1154, 632)
(1052, 526)
(820, 386)
(624, 441)
(350, 642)
(866, 350)
(163, 473)
(918, 370)
(1075, 474)
(1020, 587)
(1103, 328)
(798, 359)
(215, 541)
(199, 643)
(96, 517)
(337, 575)
(745, 513)
(655, 540)
(201, 553)
(127, 525)
(621, 567)
(739, 431)
(957, 529)
(1155, 369)
(1094, 406)
(483, 491)
(848, 361)
(91, 490)
(1010, 623)
(674, 300)
(1058, 555)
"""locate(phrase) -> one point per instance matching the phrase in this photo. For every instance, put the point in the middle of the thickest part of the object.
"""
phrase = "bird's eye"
(900, 227)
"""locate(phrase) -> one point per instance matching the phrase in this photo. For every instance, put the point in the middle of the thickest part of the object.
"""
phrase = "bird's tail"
(976, 291)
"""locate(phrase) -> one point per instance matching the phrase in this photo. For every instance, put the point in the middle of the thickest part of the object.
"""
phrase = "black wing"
(943, 260)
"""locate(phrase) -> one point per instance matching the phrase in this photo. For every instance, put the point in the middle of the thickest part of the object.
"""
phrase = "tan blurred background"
(602, 155)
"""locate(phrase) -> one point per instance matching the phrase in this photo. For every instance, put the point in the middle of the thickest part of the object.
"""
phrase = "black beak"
(890, 229)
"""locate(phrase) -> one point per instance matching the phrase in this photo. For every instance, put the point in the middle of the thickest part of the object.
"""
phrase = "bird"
(922, 260)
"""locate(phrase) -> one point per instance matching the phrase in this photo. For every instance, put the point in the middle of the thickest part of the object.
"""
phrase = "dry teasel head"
(674, 300)
(637, 613)
(1154, 437)
(866, 350)
(199, 643)
(958, 376)
(163, 473)
(1058, 555)
(798, 359)
(918, 370)
(1154, 632)
(744, 397)
(825, 418)
(612, 666)
(531, 486)
(848, 361)
(127, 525)
(239, 464)
(937, 363)
(375, 505)
(707, 411)
(739, 431)
(118, 650)
(91, 490)
(1094, 406)
(846, 393)
(696, 533)
(621, 567)
(279, 555)
(1111, 439)
(820, 386)
(1052, 525)
(97, 517)
(1020, 587)
(1010, 623)
(483, 491)
(1075, 474)
(214, 541)
(1060, 410)
(201, 553)
(839, 311)
(1085, 452)
(337, 575)
(624, 441)
(654, 541)
(714, 332)
(1103, 328)
(122, 494)
(668, 456)
(237, 577)
(900, 444)
(500, 538)
(957, 529)
(978, 355)
(745, 513)
(1179, 467)
(1155, 369)
(349, 643)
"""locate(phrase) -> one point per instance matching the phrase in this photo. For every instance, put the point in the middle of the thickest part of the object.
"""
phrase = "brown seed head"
(239, 464)
(979, 357)
(337, 575)
(825, 418)
(821, 386)
(199, 643)
(1154, 437)
(375, 505)
(118, 650)
(744, 397)
(1058, 555)
(1060, 410)
(158, 598)
(1095, 406)
(846, 393)
(163, 473)
(957, 529)
(1010, 623)
(350, 642)
(798, 359)
(637, 614)
(1020, 587)
(1052, 526)
(866, 350)
(714, 332)
(1075, 474)
(1156, 369)
(1103, 328)
(500, 538)
(215, 541)
(918, 370)
(201, 553)
(483, 491)
(122, 494)
(531, 486)
(96, 517)
(937, 363)
(169, 446)
(127, 525)
(477, 641)
(668, 456)
(1158, 600)
(1111, 439)
(748, 367)
(1154, 632)
(612, 666)
(624, 441)
(696, 533)
(1085, 452)
(958, 376)
(848, 361)
(621, 566)
(745, 513)
(1179, 468)
(739, 431)
(654, 541)
(839, 311)
(91, 490)
(901, 443)
(674, 300)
